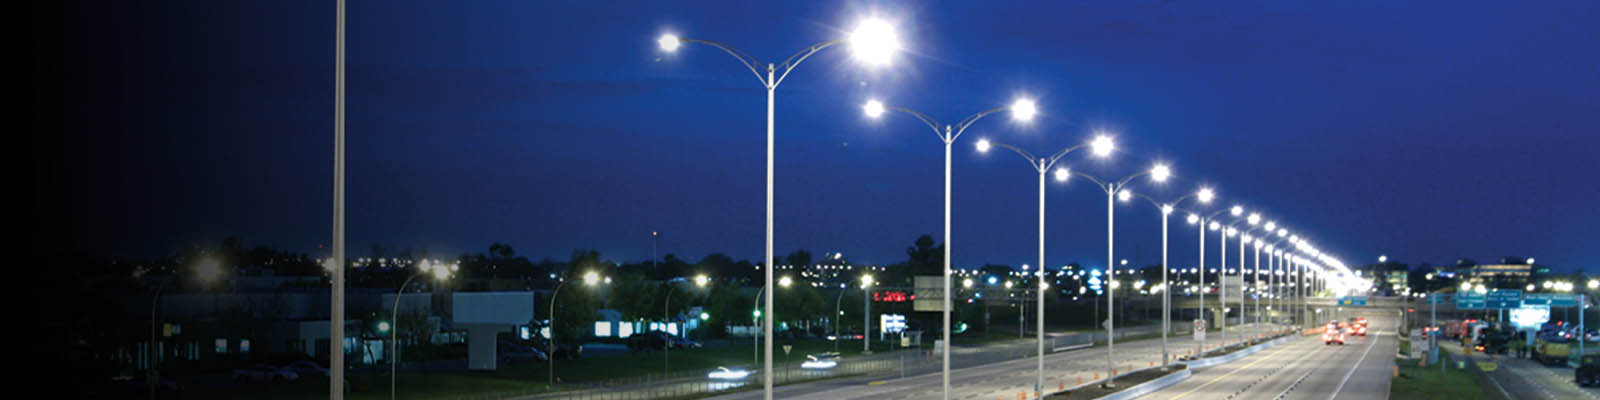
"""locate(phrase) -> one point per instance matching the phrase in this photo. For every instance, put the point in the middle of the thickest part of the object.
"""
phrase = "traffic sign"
(1353, 301)
(1550, 299)
(1503, 298)
(1470, 301)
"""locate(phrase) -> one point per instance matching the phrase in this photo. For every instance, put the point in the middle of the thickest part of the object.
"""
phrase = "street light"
(1043, 166)
(1159, 173)
(590, 279)
(1022, 110)
(873, 42)
(439, 272)
(207, 270)
(700, 281)
(1203, 223)
(866, 314)
(1204, 195)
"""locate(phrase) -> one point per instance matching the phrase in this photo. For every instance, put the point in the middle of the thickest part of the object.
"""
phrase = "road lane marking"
(1235, 371)
(1353, 367)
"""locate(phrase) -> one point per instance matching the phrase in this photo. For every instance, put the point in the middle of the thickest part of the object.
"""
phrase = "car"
(725, 374)
(264, 373)
(307, 368)
(648, 341)
(1333, 333)
(512, 352)
(566, 351)
(141, 383)
(683, 343)
(821, 361)
(1588, 371)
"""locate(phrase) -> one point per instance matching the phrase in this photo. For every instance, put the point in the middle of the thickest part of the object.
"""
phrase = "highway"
(989, 381)
(1303, 368)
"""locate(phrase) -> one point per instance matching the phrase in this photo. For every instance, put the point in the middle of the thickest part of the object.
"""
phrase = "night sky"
(1427, 132)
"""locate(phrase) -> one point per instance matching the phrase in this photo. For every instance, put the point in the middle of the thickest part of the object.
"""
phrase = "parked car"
(307, 368)
(141, 382)
(513, 352)
(264, 373)
(684, 343)
(648, 341)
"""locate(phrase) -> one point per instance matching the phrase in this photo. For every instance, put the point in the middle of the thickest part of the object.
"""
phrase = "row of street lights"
(874, 42)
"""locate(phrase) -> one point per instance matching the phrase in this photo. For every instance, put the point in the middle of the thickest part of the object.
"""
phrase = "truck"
(1553, 350)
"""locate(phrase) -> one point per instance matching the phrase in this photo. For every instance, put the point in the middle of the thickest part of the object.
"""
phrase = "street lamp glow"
(1282, 231)
(1124, 195)
(1062, 174)
(866, 281)
(966, 283)
(1466, 286)
(1594, 284)
(669, 42)
(785, 281)
(873, 108)
(591, 278)
(208, 270)
(1383, 258)
(1023, 110)
(1255, 218)
(1193, 219)
(1160, 173)
(701, 280)
(874, 41)
(1530, 260)
(984, 145)
(1236, 211)
(1166, 209)
(1271, 226)
(1206, 194)
(1103, 146)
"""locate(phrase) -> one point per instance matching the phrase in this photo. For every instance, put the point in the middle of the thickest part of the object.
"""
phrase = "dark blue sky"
(1428, 132)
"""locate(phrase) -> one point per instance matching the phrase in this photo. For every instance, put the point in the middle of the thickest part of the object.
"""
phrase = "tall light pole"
(1116, 190)
(866, 314)
(1204, 195)
(1021, 110)
(1042, 165)
(1204, 222)
(336, 267)
(1222, 270)
(439, 272)
(874, 41)
(590, 278)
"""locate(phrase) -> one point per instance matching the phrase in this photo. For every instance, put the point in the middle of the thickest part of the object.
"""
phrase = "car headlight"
(818, 364)
(727, 374)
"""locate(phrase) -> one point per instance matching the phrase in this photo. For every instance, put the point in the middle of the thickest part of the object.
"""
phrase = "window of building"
(244, 345)
(602, 329)
(221, 346)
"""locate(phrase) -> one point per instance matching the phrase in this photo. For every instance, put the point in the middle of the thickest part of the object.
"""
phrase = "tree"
(925, 258)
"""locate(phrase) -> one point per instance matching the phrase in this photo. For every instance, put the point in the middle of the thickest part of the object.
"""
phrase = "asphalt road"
(988, 381)
(1527, 379)
(1303, 368)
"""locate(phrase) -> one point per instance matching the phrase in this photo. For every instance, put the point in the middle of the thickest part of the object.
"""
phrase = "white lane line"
(1353, 367)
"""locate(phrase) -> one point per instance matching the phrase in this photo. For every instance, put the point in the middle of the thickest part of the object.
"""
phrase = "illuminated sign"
(1530, 317)
(891, 323)
(892, 296)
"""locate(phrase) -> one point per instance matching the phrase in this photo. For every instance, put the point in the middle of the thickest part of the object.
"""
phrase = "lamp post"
(336, 263)
(590, 278)
(1021, 110)
(1222, 270)
(866, 314)
(874, 41)
(1204, 195)
(1204, 222)
(700, 281)
(439, 273)
(1042, 165)
(1116, 190)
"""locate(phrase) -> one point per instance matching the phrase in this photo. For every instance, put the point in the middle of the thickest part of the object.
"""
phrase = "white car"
(264, 373)
(307, 368)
